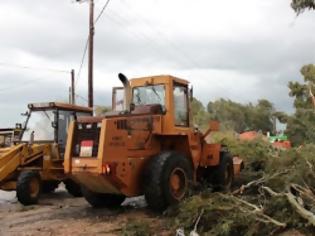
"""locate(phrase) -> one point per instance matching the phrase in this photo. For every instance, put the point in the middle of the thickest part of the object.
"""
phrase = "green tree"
(301, 5)
(261, 116)
(200, 116)
(101, 110)
(242, 117)
(301, 125)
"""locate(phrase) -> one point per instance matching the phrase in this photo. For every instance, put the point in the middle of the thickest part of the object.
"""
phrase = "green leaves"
(301, 125)
(300, 6)
(101, 110)
(242, 117)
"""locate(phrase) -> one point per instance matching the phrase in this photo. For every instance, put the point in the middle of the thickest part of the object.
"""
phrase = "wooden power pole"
(90, 53)
(91, 48)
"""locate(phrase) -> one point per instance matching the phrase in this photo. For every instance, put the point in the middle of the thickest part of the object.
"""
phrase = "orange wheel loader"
(146, 146)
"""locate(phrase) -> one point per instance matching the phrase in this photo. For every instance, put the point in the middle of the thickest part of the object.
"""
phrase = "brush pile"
(274, 195)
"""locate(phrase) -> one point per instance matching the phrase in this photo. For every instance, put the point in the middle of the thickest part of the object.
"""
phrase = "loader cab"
(49, 122)
(170, 93)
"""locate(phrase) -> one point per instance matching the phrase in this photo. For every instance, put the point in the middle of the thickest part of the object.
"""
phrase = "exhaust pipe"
(127, 96)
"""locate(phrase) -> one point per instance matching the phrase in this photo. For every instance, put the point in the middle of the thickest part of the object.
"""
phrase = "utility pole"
(90, 52)
(72, 88)
(91, 48)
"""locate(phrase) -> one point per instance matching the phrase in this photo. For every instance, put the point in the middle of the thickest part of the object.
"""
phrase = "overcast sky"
(241, 50)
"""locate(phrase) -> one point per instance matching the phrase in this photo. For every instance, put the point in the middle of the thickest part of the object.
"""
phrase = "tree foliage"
(200, 116)
(301, 5)
(101, 110)
(242, 117)
(301, 125)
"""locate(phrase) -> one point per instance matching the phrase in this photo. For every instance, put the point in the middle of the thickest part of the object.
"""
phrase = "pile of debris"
(274, 194)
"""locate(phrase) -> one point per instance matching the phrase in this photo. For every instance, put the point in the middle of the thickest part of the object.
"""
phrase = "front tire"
(167, 180)
(223, 175)
(100, 200)
(28, 187)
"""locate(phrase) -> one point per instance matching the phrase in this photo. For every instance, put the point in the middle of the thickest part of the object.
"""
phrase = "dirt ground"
(60, 214)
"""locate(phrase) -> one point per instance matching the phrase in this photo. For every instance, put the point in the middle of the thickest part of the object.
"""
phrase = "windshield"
(39, 122)
(153, 94)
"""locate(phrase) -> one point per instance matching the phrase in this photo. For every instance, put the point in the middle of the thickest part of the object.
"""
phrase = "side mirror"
(54, 124)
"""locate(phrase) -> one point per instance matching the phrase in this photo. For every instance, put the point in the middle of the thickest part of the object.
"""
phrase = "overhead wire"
(82, 62)
(175, 48)
(25, 84)
(5, 64)
(151, 43)
(120, 21)
(87, 43)
(101, 12)
(154, 42)
(79, 96)
(56, 70)
(28, 82)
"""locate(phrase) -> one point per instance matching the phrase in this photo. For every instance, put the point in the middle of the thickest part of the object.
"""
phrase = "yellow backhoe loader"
(34, 164)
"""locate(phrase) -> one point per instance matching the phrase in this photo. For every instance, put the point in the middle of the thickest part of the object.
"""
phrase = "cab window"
(148, 95)
(180, 105)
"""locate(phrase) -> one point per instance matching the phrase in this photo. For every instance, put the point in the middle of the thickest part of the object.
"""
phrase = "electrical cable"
(79, 96)
(25, 84)
(151, 43)
(87, 43)
(101, 12)
(4, 64)
(184, 57)
(82, 61)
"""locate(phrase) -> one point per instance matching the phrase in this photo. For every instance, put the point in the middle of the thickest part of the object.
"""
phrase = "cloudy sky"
(241, 50)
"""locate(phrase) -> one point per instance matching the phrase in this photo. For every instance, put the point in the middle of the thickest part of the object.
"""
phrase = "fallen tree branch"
(258, 182)
(309, 165)
(256, 210)
(271, 192)
(309, 216)
(295, 200)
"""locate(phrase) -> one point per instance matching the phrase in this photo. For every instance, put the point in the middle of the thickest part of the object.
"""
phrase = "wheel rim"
(178, 183)
(34, 187)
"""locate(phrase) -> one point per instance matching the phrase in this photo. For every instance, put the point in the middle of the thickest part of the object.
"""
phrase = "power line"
(87, 43)
(4, 64)
(25, 84)
(83, 98)
(101, 12)
(82, 61)
(174, 46)
(152, 43)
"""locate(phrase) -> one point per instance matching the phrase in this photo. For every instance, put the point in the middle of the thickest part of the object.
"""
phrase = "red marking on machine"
(86, 148)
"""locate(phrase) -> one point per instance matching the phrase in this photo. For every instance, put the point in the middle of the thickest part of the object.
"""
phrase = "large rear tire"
(223, 175)
(73, 188)
(167, 180)
(28, 187)
(100, 200)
